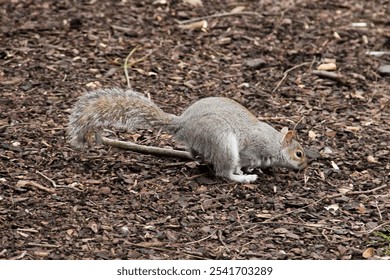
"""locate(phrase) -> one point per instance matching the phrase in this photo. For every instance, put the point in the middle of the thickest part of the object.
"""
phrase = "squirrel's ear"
(287, 139)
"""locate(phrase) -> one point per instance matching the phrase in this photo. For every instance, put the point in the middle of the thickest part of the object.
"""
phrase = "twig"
(288, 71)
(47, 178)
(379, 211)
(55, 184)
(25, 183)
(227, 14)
(156, 151)
(21, 256)
(223, 243)
(133, 62)
(377, 227)
(125, 66)
(364, 192)
(330, 75)
(43, 245)
(3, 252)
(200, 240)
(275, 119)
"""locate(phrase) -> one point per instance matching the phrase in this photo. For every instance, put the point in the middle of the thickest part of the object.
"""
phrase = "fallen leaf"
(280, 230)
(238, 9)
(352, 128)
(332, 207)
(327, 67)
(330, 133)
(372, 159)
(361, 208)
(193, 2)
(334, 166)
(368, 253)
(94, 227)
(202, 24)
(344, 190)
(312, 135)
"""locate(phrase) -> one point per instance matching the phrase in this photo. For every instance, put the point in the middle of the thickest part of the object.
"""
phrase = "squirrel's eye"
(298, 154)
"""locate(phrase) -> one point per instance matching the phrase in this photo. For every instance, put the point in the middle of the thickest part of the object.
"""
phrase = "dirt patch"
(104, 203)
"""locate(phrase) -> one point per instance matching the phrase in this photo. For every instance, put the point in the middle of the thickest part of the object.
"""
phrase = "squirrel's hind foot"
(243, 178)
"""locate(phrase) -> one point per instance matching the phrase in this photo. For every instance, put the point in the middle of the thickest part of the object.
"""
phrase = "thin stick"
(227, 14)
(43, 245)
(125, 66)
(25, 183)
(200, 240)
(47, 178)
(128, 65)
(330, 75)
(156, 151)
(55, 184)
(288, 71)
(375, 228)
(223, 243)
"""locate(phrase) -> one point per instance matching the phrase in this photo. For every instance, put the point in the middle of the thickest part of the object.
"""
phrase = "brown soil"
(105, 203)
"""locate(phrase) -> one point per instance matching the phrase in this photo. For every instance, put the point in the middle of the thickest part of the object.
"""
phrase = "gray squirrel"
(218, 129)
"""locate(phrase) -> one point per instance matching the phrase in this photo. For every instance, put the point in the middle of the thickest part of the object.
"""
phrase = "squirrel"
(220, 130)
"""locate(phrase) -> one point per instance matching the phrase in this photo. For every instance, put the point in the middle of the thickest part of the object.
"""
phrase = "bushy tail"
(115, 108)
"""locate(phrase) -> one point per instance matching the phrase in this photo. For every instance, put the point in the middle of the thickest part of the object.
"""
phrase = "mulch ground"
(106, 203)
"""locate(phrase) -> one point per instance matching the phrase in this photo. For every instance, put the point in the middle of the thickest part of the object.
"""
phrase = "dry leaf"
(327, 67)
(336, 35)
(362, 209)
(368, 253)
(94, 227)
(322, 175)
(312, 135)
(372, 159)
(358, 95)
(280, 230)
(202, 24)
(334, 165)
(330, 133)
(332, 207)
(135, 137)
(238, 9)
(193, 2)
(94, 85)
(344, 190)
(263, 216)
(327, 150)
(352, 128)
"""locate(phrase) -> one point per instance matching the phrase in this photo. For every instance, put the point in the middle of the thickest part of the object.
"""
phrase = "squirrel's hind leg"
(230, 167)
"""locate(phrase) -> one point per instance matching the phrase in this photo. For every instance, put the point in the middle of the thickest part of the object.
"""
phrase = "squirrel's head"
(292, 152)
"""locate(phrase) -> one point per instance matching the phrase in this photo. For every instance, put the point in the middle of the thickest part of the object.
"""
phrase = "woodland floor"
(106, 203)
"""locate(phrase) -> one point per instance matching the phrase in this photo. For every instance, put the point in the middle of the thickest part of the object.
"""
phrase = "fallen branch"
(227, 14)
(155, 151)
